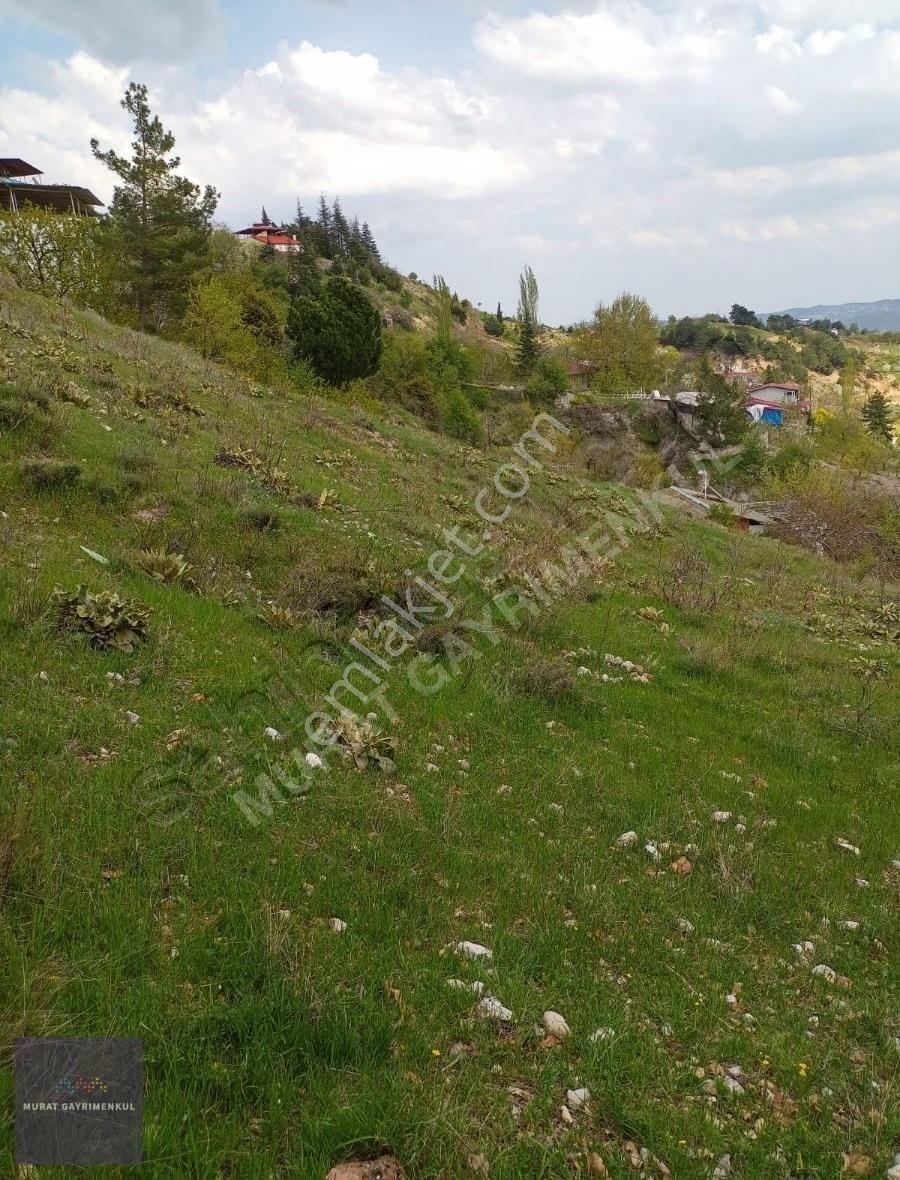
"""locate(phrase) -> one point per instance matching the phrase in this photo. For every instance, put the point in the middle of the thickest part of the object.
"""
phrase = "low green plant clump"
(108, 620)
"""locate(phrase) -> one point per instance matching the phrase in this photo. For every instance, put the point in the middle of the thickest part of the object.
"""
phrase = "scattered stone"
(722, 817)
(823, 971)
(337, 925)
(849, 924)
(596, 1166)
(683, 866)
(313, 761)
(472, 950)
(461, 985)
(893, 1173)
(272, 734)
(804, 949)
(565, 1116)
(685, 926)
(385, 1168)
(578, 1099)
(603, 1034)
(555, 1025)
(722, 1168)
(653, 852)
(846, 846)
(627, 840)
(490, 1008)
(132, 718)
(479, 1165)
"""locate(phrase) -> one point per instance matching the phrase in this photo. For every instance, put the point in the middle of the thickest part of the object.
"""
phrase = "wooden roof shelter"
(17, 190)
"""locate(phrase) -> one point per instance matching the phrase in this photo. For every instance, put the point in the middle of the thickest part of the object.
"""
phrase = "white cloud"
(638, 46)
(781, 102)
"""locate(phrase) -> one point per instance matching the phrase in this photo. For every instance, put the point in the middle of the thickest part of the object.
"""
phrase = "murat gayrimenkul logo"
(79, 1101)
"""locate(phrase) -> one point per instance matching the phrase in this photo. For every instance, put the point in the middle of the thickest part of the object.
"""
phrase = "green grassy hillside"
(729, 974)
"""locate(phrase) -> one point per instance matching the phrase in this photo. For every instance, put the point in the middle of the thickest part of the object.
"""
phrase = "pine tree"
(499, 313)
(340, 230)
(339, 333)
(325, 230)
(264, 218)
(878, 416)
(528, 347)
(160, 221)
(301, 221)
(368, 240)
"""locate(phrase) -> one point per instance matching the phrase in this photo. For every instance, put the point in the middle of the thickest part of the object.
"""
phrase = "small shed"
(580, 374)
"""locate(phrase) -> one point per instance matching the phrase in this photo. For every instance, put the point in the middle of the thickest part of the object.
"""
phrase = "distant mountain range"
(881, 316)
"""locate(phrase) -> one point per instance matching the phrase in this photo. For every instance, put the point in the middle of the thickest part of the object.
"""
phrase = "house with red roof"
(271, 235)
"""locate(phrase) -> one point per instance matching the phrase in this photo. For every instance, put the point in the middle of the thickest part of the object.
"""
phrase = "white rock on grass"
(846, 846)
(653, 852)
(603, 1034)
(490, 1008)
(723, 1168)
(823, 971)
(555, 1025)
(578, 1099)
(722, 817)
(313, 761)
(627, 840)
(132, 718)
(462, 985)
(893, 1173)
(337, 925)
(272, 734)
(685, 926)
(804, 949)
(849, 924)
(472, 950)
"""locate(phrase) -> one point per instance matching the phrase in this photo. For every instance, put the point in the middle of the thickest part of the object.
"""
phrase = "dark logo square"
(79, 1101)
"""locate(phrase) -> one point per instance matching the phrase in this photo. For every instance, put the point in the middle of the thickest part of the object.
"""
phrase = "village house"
(782, 393)
(271, 235)
(20, 187)
(580, 374)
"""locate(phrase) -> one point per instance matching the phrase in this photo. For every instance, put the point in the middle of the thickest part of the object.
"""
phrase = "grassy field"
(137, 900)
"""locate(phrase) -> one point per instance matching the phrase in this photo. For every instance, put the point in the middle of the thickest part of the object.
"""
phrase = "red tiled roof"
(580, 368)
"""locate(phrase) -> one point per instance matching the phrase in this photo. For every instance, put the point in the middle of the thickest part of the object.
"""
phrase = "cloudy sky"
(700, 152)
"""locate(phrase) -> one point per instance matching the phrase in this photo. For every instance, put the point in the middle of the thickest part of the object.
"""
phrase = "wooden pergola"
(19, 188)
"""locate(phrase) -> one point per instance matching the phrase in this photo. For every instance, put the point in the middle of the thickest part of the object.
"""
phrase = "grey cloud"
(127, 30)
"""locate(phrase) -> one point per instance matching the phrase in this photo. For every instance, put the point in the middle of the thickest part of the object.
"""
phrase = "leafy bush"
(548, 379)
(461, 419)
(49, 475)
(493, 326)
(108, 620)
(405, 377)
(338, 333)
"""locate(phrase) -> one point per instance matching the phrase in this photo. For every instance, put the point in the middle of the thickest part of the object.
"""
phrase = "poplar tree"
(528, 347)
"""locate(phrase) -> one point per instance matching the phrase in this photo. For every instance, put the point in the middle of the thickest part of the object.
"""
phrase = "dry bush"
(548, 678)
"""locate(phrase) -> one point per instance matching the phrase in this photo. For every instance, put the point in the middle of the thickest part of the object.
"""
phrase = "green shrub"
(461, 419)
(16, 413)
(106, 619)
(49, 475)
(548, 379)
(263, 520)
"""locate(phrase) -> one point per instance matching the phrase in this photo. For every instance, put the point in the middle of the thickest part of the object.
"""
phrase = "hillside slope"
(283, 936)
(881, 315)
